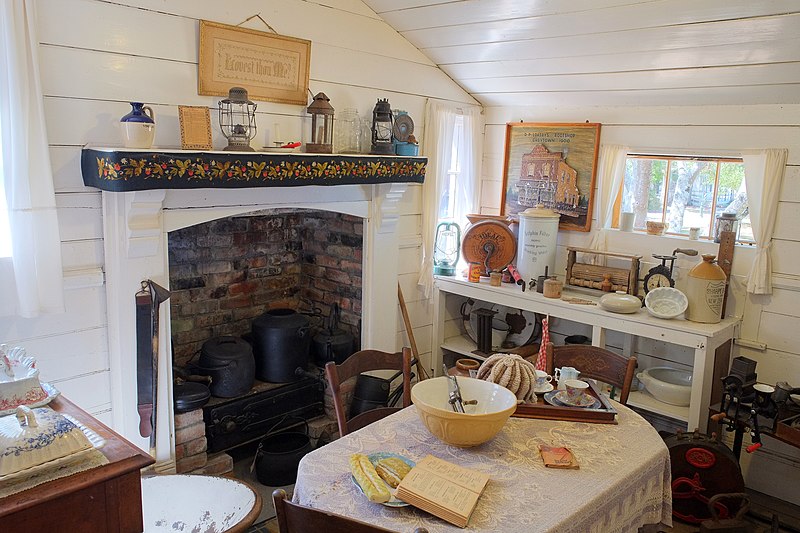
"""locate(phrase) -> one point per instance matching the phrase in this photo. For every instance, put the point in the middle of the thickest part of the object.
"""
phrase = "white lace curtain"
(26, 173)
(611, 174)
(763, 173)
(437, 146)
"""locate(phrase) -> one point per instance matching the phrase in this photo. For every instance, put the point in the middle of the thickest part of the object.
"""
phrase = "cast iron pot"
(281, 343)
(332, 344)
(279, 455)
(230, 363)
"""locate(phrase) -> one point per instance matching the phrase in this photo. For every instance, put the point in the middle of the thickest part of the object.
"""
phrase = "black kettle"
(332, 343)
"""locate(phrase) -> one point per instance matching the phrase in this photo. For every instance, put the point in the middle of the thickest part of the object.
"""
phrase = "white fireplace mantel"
(136, 225)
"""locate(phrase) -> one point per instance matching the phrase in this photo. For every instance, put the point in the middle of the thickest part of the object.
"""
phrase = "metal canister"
(474, 272)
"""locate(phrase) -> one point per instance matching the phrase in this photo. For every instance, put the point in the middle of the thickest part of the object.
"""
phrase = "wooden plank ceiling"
(609, 52)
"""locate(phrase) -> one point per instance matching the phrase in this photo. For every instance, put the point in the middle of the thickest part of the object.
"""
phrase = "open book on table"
(443, 489)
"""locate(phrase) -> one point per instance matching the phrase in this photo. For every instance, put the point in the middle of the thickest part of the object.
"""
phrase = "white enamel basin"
(183, 503)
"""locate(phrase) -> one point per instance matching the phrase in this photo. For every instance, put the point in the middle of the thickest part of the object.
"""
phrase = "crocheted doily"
(512, 372)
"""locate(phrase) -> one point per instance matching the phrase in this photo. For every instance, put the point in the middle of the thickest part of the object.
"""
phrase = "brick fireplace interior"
(226, 272)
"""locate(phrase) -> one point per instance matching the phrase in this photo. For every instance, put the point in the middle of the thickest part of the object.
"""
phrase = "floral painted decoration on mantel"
(135, 171)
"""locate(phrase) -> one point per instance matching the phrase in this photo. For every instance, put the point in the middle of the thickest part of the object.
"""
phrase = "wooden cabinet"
(703, 339)
(104, 499)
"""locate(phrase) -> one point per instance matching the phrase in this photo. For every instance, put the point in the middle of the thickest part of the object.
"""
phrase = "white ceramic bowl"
(480, 423)
(620, 302)
(665, 302)
(666, 384)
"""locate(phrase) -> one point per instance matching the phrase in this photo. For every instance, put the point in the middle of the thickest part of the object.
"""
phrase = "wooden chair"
(596, 363)
(364, 361)
(296, 518)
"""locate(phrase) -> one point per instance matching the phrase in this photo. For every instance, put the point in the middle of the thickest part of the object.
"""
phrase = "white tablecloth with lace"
(623, 481)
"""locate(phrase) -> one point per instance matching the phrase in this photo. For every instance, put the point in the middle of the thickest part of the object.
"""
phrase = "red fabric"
(541, 360)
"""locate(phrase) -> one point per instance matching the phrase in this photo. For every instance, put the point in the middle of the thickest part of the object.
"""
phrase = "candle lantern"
(237, 120)
(725, 222)
(321, 125)
(446, 248)
(382, 128)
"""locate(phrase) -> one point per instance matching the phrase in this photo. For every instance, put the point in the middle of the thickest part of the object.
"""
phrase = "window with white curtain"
(447, 205)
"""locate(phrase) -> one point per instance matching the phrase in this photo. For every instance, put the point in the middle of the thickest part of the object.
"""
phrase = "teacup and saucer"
(575, 394)
(542, 384)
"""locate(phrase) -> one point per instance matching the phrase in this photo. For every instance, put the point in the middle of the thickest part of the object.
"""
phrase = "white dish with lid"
(19, 380)
(34, 440)
(620, 302)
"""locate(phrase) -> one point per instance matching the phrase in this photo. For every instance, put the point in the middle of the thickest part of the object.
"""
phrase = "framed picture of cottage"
(554, 165)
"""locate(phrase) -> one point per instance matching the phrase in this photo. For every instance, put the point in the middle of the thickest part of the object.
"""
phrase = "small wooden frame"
(195, 127)
(606, 414)
(591, 276)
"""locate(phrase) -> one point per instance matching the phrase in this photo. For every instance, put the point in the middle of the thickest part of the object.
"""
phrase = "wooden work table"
(104, 499)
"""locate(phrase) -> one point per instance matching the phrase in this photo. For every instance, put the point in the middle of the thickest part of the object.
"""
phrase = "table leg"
(702, 377)
(598, 336)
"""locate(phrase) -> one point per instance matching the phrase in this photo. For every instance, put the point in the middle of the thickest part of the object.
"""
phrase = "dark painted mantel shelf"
(121, 169)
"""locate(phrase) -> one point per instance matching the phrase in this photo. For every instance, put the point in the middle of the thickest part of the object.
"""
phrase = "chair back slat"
(595, 363)
(365, 361)
(296, 518)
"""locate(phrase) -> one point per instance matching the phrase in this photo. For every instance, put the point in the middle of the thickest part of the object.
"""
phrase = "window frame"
(670, 158)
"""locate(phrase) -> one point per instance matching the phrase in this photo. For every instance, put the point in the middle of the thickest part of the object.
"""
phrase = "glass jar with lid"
(348, 137)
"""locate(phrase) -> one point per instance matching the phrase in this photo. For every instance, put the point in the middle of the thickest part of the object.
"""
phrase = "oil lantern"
(321, 125)
(382, 128)
(725, 222)
(237, 120)
(446, 248)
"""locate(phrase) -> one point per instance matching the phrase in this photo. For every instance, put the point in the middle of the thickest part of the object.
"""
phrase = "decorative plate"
(522, 325)
(279, 150)
(374, 458)
(555, 398)
(51, 391)
(547, 388)
(403, 127)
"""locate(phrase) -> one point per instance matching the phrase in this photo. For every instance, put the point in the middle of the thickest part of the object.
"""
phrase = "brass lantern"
(382, 128)
(237, 120)
(321, 125)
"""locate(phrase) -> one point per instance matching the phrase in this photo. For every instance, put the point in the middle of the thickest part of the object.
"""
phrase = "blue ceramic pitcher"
(138, 126)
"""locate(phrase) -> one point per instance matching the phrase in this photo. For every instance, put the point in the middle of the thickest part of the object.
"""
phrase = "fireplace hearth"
(136, 228)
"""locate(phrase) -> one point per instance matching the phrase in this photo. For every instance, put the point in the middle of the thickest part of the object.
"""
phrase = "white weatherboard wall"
(770, 320)
(97, 56)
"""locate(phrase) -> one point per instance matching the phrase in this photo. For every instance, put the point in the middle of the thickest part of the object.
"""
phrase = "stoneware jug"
(138, 127)
(706, 291)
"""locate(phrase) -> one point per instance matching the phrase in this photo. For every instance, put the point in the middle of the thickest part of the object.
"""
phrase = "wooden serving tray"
(605, 414)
